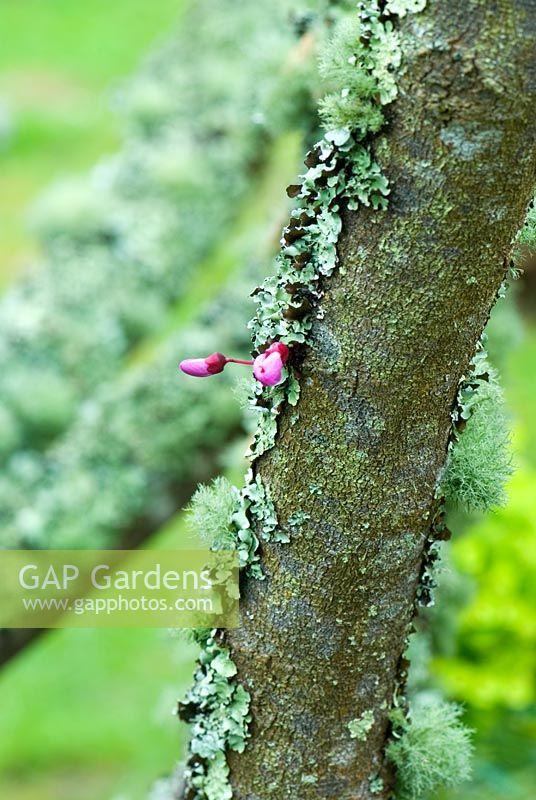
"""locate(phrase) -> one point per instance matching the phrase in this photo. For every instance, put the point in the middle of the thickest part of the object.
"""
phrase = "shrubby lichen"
(479, 461)
(340, 108)
(432, 748)
(211, 512)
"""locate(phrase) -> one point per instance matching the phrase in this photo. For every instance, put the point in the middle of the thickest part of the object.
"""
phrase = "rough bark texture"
(322, 636)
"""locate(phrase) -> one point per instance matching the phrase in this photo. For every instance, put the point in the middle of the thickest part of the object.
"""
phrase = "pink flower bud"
(268, 366)
(203, 367)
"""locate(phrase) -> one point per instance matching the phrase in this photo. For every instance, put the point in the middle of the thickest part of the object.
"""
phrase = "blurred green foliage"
(56, 59)
(121, 246)
(495, 659)
(122, 254)
(140, 436)
(141, 431)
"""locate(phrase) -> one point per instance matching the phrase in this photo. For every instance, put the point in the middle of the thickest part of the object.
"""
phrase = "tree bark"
(322, 637)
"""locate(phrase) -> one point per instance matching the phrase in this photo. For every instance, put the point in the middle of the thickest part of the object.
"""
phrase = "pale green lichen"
(375, 784)
(359, 65)
(479, 461)
(432, 749)
(298, 518)
(256, 512)
(403, 7)
(217, 709)
(354, 101)
(359, 728)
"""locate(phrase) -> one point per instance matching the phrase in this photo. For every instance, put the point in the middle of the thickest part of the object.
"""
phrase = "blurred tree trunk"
(322, 637)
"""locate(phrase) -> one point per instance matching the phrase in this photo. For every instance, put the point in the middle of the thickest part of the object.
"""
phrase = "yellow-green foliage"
(479, 461)
(433, 750)
(494, 660)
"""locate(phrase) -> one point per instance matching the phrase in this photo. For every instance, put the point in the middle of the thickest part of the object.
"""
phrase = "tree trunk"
(322, 637)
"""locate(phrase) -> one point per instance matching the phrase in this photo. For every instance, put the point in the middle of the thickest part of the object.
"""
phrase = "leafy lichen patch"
(360, 727)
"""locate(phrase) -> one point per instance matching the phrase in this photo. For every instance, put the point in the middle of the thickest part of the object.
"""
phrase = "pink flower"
(267, 367)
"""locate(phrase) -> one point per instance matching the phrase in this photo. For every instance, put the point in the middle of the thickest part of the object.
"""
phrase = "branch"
(322, 637)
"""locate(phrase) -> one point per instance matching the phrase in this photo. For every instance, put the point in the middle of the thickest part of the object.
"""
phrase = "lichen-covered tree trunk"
(353, 477)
